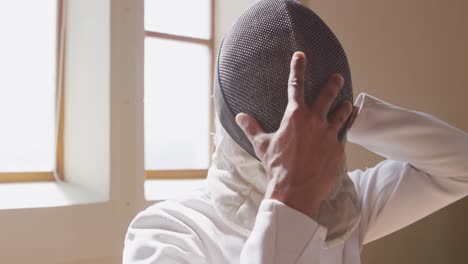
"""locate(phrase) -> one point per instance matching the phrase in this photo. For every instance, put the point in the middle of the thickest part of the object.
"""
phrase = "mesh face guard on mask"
(254, 60)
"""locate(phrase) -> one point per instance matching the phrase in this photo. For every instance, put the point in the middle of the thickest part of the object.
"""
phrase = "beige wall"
(413, 54)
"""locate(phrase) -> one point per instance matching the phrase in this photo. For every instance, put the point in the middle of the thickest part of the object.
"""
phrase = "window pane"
(177, 90)
(27, 85)
(183, 17)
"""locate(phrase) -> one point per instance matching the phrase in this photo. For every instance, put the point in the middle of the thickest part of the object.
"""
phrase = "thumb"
(249, 126)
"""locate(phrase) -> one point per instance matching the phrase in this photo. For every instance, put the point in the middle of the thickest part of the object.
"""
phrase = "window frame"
(47, 176)
(210, 43)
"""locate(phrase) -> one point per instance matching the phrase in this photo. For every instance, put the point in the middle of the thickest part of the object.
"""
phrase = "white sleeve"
(282, 234)
(426, 167)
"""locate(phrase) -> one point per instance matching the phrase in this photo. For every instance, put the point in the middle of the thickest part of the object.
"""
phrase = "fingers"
(338, 118)
(296, 79)
(253, 131)
(327, 95)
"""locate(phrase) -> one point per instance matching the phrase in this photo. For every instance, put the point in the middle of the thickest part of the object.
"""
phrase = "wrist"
(297, 202)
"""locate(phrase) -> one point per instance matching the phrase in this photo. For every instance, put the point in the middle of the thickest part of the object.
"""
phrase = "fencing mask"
(252, 77)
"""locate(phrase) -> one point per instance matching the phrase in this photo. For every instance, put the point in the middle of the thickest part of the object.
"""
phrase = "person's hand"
(302, 158)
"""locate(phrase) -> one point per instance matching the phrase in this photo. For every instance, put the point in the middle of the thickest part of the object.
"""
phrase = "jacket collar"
(237, 183)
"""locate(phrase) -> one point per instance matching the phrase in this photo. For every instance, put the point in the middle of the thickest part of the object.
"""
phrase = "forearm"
(422, 140)
(283, 235)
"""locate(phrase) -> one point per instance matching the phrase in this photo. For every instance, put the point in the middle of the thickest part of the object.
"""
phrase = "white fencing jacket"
(228, 221)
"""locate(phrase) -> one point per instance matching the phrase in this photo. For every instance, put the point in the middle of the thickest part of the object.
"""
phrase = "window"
(29, 61)
(178, 86)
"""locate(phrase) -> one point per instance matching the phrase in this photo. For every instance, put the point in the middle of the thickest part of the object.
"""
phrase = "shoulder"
(168, 230)
(177, 212)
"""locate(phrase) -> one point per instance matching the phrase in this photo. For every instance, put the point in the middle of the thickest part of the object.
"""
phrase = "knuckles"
(318, 120)
(295, 113)
(330, 93)
(295, 82)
